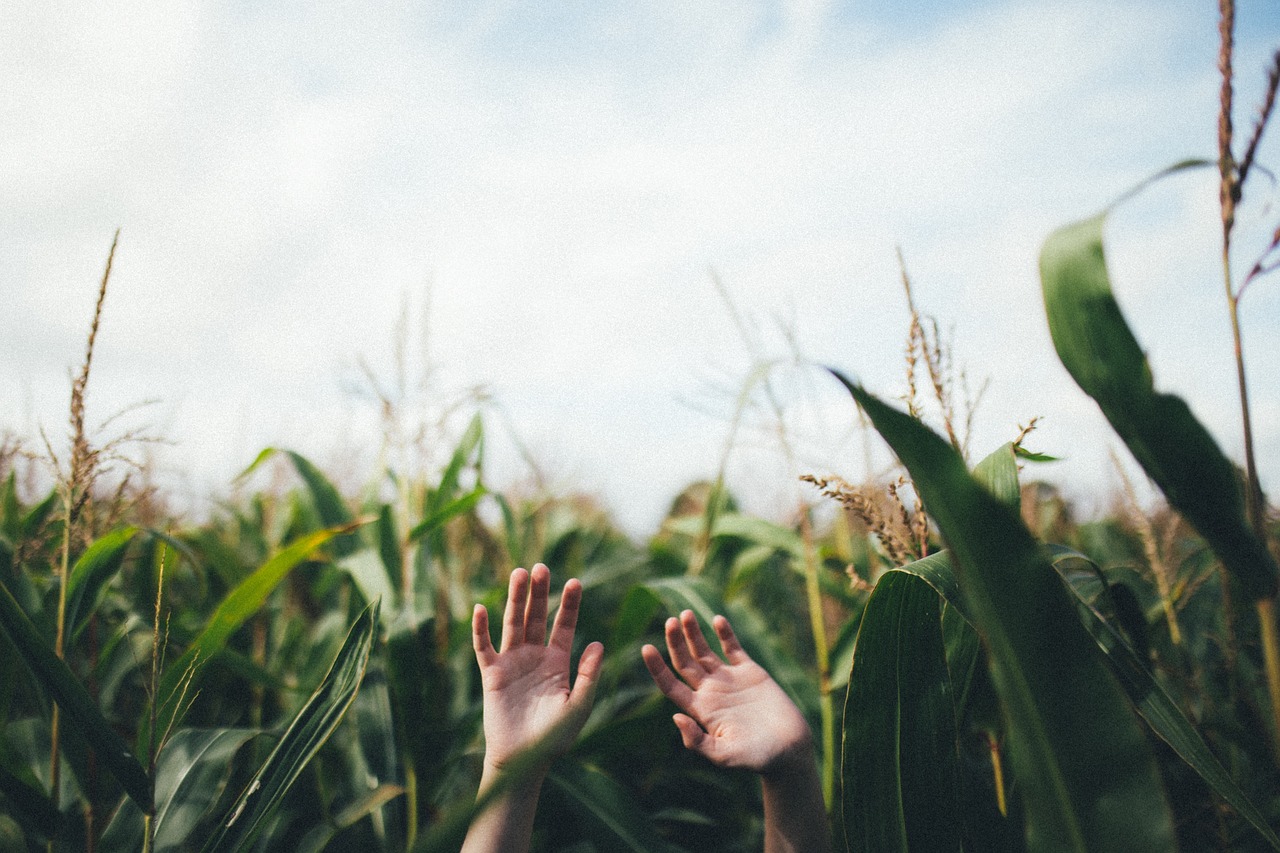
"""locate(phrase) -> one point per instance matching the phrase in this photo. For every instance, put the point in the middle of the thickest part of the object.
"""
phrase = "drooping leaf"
(1153, 702)
(308, 731)
(56, 677)
(899, 757)
(1087, 776)
(1098, 349)
(92, 572)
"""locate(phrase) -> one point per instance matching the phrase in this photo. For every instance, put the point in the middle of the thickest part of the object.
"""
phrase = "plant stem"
(1229, 194)
(814, 592)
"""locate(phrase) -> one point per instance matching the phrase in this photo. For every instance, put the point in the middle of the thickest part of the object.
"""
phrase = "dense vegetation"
(981, 670)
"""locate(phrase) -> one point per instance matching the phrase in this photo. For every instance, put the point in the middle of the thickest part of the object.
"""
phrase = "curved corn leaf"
(999, 473)
(449, 511)
(56, 677)
(181, 676)
(330, 507)
(613, 821)
(1153, 702)
(318, 838)
(191, 773)
(92, 572)
(899, 761)
(1100, 352)
(308, 731)
(1087, 776)
(33, 808)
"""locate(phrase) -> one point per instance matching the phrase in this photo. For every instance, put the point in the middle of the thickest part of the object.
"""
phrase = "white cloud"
(283, 177)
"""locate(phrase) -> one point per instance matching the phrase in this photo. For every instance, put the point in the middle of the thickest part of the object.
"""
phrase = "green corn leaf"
(1100, 352)
(32, 807)
(467, 447)
(92, 572)
(191, 773)
(308, 731)
(446, 513)
(999, 473)
(899, 760)
(328, 501)
(389, 546)
(1087, 776)
(180, 677)
(612, 820)
(1153, 702)
(81, 710)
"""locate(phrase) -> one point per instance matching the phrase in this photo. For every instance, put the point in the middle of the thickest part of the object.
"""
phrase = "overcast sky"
(549, 191)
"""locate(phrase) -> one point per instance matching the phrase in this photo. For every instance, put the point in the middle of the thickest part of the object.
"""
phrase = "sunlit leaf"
(1100, 352)
(80, 709)
(308, 731)
(899, 759)
(1087, 776)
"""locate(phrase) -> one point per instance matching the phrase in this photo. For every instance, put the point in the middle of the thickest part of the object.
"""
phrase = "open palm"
(527, 693)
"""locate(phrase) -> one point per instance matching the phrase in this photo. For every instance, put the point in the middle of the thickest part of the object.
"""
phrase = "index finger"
(673, 688)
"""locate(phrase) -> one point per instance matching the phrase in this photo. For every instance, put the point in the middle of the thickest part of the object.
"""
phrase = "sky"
(592, 220)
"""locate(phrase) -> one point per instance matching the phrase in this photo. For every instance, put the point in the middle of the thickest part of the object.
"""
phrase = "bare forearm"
(506, 824)
(795, 817)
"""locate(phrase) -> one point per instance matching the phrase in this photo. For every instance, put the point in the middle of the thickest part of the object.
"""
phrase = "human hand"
(527, 696)
(736, 715)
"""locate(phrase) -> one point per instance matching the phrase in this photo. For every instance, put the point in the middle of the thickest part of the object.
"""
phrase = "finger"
(480, 640)
(584, 684)
(535, 620)
(681, 658)
(692, 734)
(673, 688)
(733, 650)
(567, 616)
(513, 617)
(697, 642)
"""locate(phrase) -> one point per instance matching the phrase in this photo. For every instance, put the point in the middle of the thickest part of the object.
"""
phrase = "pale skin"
(527, 697)
(734, 714)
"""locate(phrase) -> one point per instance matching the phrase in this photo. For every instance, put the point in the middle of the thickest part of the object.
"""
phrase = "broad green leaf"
(449, 511)
(369, 573)
(468, 446)
(308, 731)
(999, 473)
(181, 676)
(33, 808)
(191, 773)
(1087, 776)
(1096, 346)
(613, 821)
(389, 547)
(1153, 702)
(328, 501)
(56, 677)
(899, 759)
(318, 838)
(92, 572)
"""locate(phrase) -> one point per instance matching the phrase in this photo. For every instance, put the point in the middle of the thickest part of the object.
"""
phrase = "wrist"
(795, 761)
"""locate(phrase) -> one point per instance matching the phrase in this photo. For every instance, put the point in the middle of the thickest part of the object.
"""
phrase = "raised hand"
(527, 694)
(734, 713)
